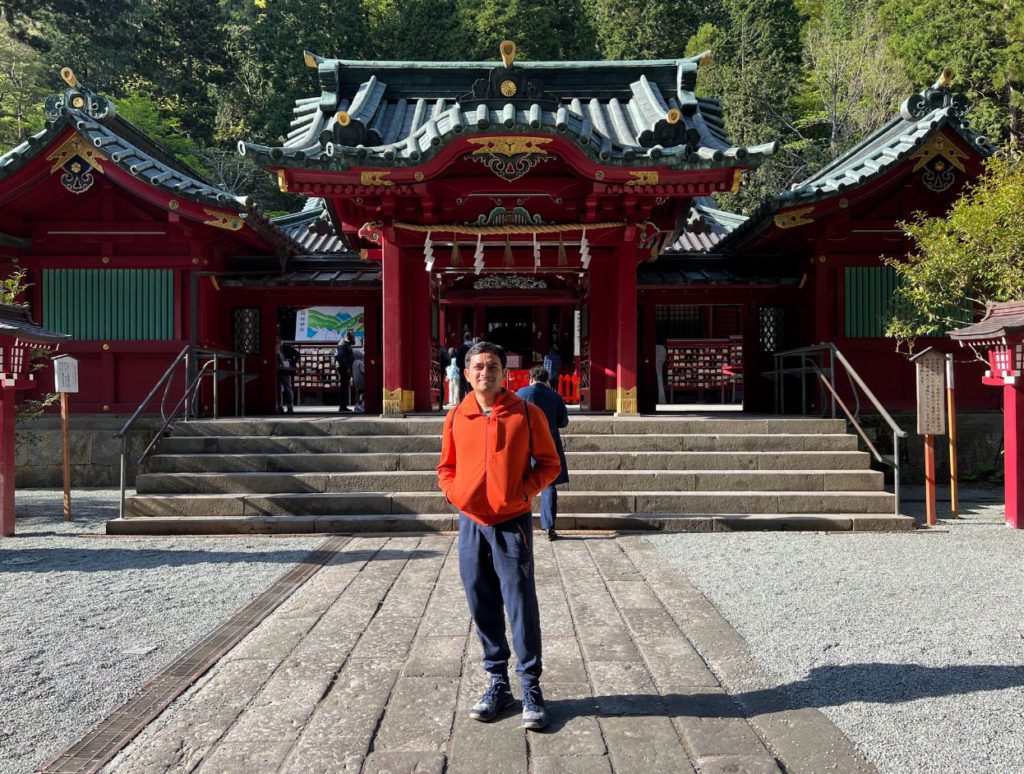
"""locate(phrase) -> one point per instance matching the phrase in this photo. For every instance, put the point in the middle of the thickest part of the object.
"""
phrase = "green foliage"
(651, 30)
(974, 255)
(159, 122)
(22, 74)
(12, 287)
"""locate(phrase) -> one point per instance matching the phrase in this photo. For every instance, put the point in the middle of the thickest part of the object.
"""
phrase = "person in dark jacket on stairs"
(550, 402)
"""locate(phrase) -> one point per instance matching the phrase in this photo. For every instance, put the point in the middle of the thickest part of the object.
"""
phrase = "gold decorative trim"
(626, 403)
(418, 177)
(508, 88)
(939, 145)
(737, 179)
(673, 116)
(375, 177)
(508, 52)
(310, 60)
(643, 177)
(343, 118)
(611, 399)
(69, 76)
(398, 401)
(510, 145)
(76, 145)
(599, 175)
(225, 220)
(173, 204)
(282, 181)
(794, 218)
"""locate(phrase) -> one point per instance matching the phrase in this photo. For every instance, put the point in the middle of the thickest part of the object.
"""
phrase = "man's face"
(485, 374)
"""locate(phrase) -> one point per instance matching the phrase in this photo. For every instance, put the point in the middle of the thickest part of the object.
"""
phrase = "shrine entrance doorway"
(527, 315)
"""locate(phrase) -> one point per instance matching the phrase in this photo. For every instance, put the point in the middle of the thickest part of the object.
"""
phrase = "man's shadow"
(827, 686)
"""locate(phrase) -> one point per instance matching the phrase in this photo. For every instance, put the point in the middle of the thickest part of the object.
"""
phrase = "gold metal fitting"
(946, 77)
(508, 52)
(310, 60)
(673, 116)
(69, 76)
(705, 60)
(343, 118)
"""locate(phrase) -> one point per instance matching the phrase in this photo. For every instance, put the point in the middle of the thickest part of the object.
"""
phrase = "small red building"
(530, 203)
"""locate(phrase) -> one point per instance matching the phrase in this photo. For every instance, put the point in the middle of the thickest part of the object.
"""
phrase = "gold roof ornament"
(945, 78)
(508, 52)
(674, 115)
(310, 59)
(705, 60)
(69, 76)
(343, 118)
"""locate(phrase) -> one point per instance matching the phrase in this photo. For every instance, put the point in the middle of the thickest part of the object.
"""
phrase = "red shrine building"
(529, 203)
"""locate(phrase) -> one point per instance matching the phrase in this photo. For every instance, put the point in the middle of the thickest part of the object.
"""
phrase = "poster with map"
(329, 323)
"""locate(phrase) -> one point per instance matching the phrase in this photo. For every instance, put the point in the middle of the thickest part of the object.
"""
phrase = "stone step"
(594, 425)
(569, 503)
(580, 481)
(573, 441)
(623, 522)
(578, 461)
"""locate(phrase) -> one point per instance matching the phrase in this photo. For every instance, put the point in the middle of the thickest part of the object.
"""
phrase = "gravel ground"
(913, 644)
(86, 618)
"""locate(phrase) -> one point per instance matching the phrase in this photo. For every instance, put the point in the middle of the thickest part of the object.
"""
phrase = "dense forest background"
(816, 74)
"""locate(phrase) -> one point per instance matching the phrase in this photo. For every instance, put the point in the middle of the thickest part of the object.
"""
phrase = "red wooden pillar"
(419, 351)
(372, 354)
(7, 461)
(648, 371)
(626, 365)
(1013, 440)
(397, 393)
(601, 319)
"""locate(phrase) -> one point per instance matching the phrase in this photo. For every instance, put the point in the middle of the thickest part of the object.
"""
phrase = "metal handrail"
(826, 376)
(193, 377)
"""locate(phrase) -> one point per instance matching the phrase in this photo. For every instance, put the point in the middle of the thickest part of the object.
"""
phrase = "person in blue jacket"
(550, 402)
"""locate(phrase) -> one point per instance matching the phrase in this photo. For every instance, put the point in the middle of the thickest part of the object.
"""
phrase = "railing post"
(241, 390)
(832, 376)
(188, 381)
(216, 381)
(896, 469)
(124, 473)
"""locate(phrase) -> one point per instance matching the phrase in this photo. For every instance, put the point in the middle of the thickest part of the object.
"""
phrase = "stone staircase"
(703, 473)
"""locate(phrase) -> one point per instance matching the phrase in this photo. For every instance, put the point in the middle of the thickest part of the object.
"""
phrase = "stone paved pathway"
(370, 667)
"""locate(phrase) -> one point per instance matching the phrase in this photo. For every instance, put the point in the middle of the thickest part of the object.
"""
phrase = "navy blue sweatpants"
(496, 565)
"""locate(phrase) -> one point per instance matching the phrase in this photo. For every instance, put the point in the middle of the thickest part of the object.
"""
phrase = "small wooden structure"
(1001, 332)
(18, 337)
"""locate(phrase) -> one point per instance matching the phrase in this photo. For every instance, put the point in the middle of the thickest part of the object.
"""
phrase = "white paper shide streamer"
(428, 252)
(584, 250)
(478, 254)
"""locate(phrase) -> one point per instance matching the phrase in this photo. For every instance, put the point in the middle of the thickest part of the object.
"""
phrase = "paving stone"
(583, 764)
(419, 714)
(282, 709)
(607, 643)
(646, 745)
(323, 759)
(673, 663)
(624, 688)
(711, 724)
(761, 764)
(632, 594)
(272, 640)
(387, 636)
(388, 762)
(251, 757)
(611, 561)
(436, 657)
(573, 729)
(354, 703)
(650, 622)
(563, 661)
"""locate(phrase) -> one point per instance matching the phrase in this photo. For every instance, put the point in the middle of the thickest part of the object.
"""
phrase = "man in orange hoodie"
(497, 453)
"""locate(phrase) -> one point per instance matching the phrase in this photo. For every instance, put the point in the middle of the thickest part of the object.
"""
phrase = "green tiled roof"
(401, 113)
(920, 117)
(129, 148)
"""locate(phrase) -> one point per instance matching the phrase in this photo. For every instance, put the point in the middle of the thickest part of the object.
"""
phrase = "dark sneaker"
(534, 714)
(552, 535)
(495, 699)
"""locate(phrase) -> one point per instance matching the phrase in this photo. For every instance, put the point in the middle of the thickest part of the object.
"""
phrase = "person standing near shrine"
(287, 362)
(485, 471)
(550, 402)
(460, 358)
(553, 365)
(345, 359)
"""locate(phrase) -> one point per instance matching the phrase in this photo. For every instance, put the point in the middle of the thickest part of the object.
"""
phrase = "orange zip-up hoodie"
(485, 461)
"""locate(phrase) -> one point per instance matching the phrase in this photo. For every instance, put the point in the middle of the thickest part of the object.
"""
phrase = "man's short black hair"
(485, 347)
(539, 374)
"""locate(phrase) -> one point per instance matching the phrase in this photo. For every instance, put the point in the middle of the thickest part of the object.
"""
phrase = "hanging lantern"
(562, 257)
(456, 255)
(509, 260)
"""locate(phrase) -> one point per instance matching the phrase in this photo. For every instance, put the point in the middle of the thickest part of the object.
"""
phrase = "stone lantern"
(1001, 332)
(18, 337)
